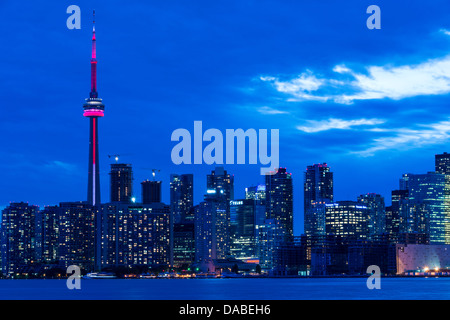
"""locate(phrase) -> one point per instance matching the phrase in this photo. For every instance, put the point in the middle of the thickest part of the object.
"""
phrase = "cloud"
(445, 31)
(323, 125)
(430, 77)
(392, 139)
(300, 87)
(68, 167)
(269, 110)
(404, 138)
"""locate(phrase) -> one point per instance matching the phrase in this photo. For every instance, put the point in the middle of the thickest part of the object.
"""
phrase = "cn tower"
(93, 109)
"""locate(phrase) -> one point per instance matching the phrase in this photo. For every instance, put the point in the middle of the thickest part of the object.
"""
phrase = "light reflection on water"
(229, 289)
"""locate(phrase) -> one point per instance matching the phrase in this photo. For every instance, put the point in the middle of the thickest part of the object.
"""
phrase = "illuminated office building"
(182, 219)
(347, 219)
(181, 196)
(246, 216)
(183, 244)
(279, 201)
(318, 190)
(427, 209)
(393, 212)
(257, 193)
(377, 213)
(442, 163)
(268, 239)
(221, 181)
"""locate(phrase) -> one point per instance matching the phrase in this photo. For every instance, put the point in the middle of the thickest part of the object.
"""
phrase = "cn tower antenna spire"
(93, 25)
(93, 93)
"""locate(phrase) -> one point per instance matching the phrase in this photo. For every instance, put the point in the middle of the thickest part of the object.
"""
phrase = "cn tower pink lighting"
(93, 113)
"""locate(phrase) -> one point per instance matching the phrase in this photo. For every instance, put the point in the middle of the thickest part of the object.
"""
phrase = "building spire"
(93, 93)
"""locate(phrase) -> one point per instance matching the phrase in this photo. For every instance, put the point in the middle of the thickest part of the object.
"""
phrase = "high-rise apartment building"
(135, 234)
(77, 234)
(49, 217)
(18, 241)
(212, 229)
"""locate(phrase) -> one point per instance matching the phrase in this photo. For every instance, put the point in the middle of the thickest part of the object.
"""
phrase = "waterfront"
(228, 289)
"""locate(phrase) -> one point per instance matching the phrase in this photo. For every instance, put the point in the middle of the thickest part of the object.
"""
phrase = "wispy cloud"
(430, 77)
(445, 31)
(68, 167)
(269, 110)
(323, 125)
(299, 87)
(404, 138)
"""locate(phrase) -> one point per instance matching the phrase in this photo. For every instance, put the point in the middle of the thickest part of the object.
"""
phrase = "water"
(228, 289)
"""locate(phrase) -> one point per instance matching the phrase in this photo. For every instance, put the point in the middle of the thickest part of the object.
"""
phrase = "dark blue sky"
(373, 104)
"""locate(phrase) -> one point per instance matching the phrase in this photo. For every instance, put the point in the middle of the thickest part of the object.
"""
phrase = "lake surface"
(228, 289)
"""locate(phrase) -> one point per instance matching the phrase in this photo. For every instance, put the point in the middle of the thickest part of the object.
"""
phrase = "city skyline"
(50, 134)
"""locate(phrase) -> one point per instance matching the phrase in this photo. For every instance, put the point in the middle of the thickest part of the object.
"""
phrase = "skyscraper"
(77, 234)
(279, 201)
(318, 189)
(181, 196)
(404, 181)
(50, 234)
(93, 109)
(222, 182)
(347, 219)
(211, 230)
(212, 220)
(121, 177)
(135, 234)
(393, 212)
(267, 242)
(183, 221)
(377, 213)
(151, 191)
(427, 209)
(442, 163)
(246, 215)
(18, 245)
(257, 193)
(183, 244)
